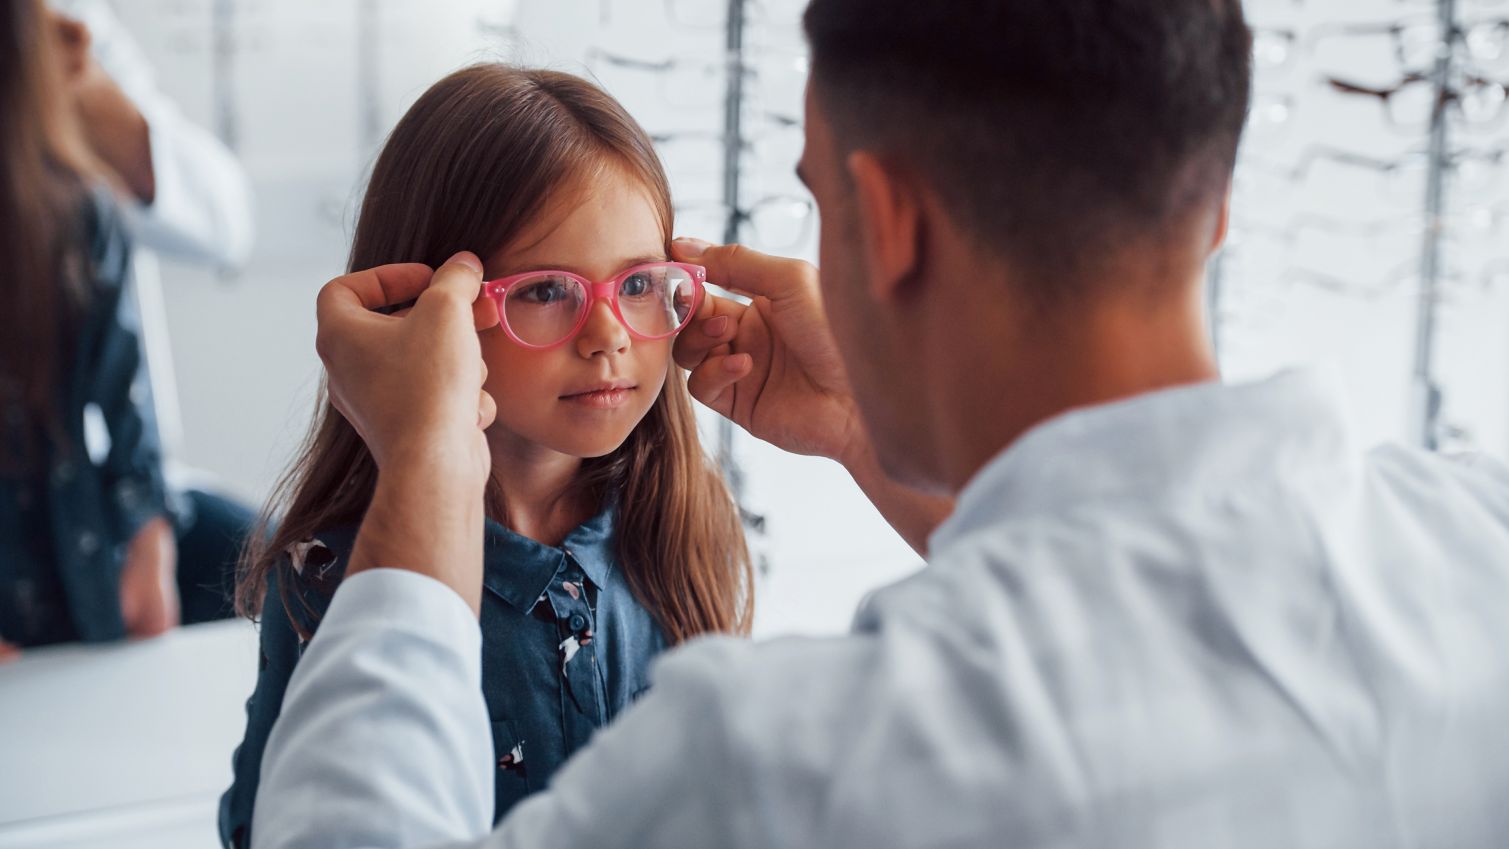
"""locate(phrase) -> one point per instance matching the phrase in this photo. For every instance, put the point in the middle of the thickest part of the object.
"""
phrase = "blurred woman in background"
(86, 545)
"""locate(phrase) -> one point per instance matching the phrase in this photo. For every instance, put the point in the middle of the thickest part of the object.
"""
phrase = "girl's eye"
(638, 285)
(544, 292)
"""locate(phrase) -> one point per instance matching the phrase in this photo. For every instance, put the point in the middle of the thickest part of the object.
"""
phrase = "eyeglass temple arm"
(1346, 87)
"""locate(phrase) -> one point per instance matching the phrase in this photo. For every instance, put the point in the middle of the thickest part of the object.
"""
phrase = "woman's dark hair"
(42, 196)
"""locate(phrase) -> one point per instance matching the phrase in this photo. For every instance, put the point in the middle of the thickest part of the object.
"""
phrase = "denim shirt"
(69, 512)
(565, 648)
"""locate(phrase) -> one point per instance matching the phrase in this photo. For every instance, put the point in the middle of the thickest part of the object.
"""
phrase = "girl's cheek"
(654, 359)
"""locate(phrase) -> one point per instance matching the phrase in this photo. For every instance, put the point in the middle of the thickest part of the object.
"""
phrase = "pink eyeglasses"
(547, 309)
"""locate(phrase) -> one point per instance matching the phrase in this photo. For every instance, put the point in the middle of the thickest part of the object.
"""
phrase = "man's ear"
(1223, 221)
(890, 220)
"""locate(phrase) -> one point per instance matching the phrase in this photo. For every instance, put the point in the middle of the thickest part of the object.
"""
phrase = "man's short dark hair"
(1056, 131)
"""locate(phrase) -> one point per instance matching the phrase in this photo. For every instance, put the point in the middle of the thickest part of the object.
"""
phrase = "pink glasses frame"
(596, 291)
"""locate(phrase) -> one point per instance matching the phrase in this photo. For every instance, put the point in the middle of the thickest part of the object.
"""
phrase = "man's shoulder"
(1474, 474)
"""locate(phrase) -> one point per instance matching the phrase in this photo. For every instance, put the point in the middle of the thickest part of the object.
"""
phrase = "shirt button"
(62, 473)
(578, 622)
(88, 543)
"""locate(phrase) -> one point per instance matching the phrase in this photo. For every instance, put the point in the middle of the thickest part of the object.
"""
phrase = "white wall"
(1369, 235)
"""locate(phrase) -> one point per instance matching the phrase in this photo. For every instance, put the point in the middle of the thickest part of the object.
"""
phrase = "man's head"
(991, 171)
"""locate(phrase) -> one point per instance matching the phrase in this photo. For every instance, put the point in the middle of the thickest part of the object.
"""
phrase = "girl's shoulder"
(318, 562)
(312, 569)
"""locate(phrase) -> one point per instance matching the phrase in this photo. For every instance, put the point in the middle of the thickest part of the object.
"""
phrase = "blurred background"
(1368, 234)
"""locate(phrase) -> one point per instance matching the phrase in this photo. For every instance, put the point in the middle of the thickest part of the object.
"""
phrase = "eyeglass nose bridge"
(601, 292)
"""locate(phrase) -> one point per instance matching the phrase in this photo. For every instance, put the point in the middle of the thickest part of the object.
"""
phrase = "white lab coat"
(1199, 618)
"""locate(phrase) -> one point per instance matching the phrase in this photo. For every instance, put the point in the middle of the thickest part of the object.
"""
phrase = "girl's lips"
(603, 399)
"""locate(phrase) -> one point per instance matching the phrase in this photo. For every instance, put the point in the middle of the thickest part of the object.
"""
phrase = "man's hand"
(412, 388)
(411, 385)
(149, 581)
(772, 367)
(114, 128)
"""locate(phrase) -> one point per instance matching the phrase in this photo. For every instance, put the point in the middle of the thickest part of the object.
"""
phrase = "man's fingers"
(349, 300)
(740, 269)
(711, 381)
(382, 286)
(487, 410)
(717, 323)
(459, 282)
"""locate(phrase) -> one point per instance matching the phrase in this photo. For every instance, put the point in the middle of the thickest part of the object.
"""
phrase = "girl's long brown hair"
(475, 161)
(42, 195)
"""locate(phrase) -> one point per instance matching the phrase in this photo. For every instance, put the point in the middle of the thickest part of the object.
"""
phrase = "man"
(1165, 612)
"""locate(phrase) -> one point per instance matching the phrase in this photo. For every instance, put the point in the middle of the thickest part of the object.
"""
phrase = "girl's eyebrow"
(563, 266)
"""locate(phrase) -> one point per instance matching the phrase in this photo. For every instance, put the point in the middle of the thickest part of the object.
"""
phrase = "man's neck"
(1098, 356)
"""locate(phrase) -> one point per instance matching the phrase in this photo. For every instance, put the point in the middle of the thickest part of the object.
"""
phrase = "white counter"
(124, 745)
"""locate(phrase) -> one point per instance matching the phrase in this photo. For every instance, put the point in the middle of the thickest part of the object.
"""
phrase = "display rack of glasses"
(1438, 73)
(725, 120)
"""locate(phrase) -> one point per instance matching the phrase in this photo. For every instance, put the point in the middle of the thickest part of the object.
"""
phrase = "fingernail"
(691, 248)
(735, 363)
(716, 327)
(468, 259)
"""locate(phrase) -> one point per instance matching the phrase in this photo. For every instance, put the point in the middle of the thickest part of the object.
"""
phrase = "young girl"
(610, 534)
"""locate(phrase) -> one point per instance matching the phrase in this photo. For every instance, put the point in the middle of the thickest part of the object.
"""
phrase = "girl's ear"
(890, 221)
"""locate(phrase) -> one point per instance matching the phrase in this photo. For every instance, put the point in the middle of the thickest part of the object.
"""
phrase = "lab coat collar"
(1152, 445)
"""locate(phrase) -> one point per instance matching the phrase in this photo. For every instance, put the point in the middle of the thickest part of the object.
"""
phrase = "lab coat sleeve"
(384, 743)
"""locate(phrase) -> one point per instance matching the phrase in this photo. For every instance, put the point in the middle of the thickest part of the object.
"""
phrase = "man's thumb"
(459, 280)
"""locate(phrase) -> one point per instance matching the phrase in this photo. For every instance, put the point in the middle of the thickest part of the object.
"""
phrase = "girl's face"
(584, 397)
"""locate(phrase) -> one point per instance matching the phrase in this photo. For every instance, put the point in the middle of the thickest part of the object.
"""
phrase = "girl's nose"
(603, 333)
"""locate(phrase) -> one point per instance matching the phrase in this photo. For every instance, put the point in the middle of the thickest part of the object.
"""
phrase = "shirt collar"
(519, 570)
(1159, 442)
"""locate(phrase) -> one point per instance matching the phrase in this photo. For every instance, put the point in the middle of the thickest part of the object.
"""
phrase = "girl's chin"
(563, 440)
(584, 430)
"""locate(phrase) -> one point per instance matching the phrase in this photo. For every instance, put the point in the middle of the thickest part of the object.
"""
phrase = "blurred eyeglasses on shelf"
(1274, 50)
(1410, 103)
(1475, 173)
(774, 142)
(713, 14)
(1455, 286)
(1334, 234)
(1270, 118)
(773, 223)
(1417, 43)
(701, 81)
